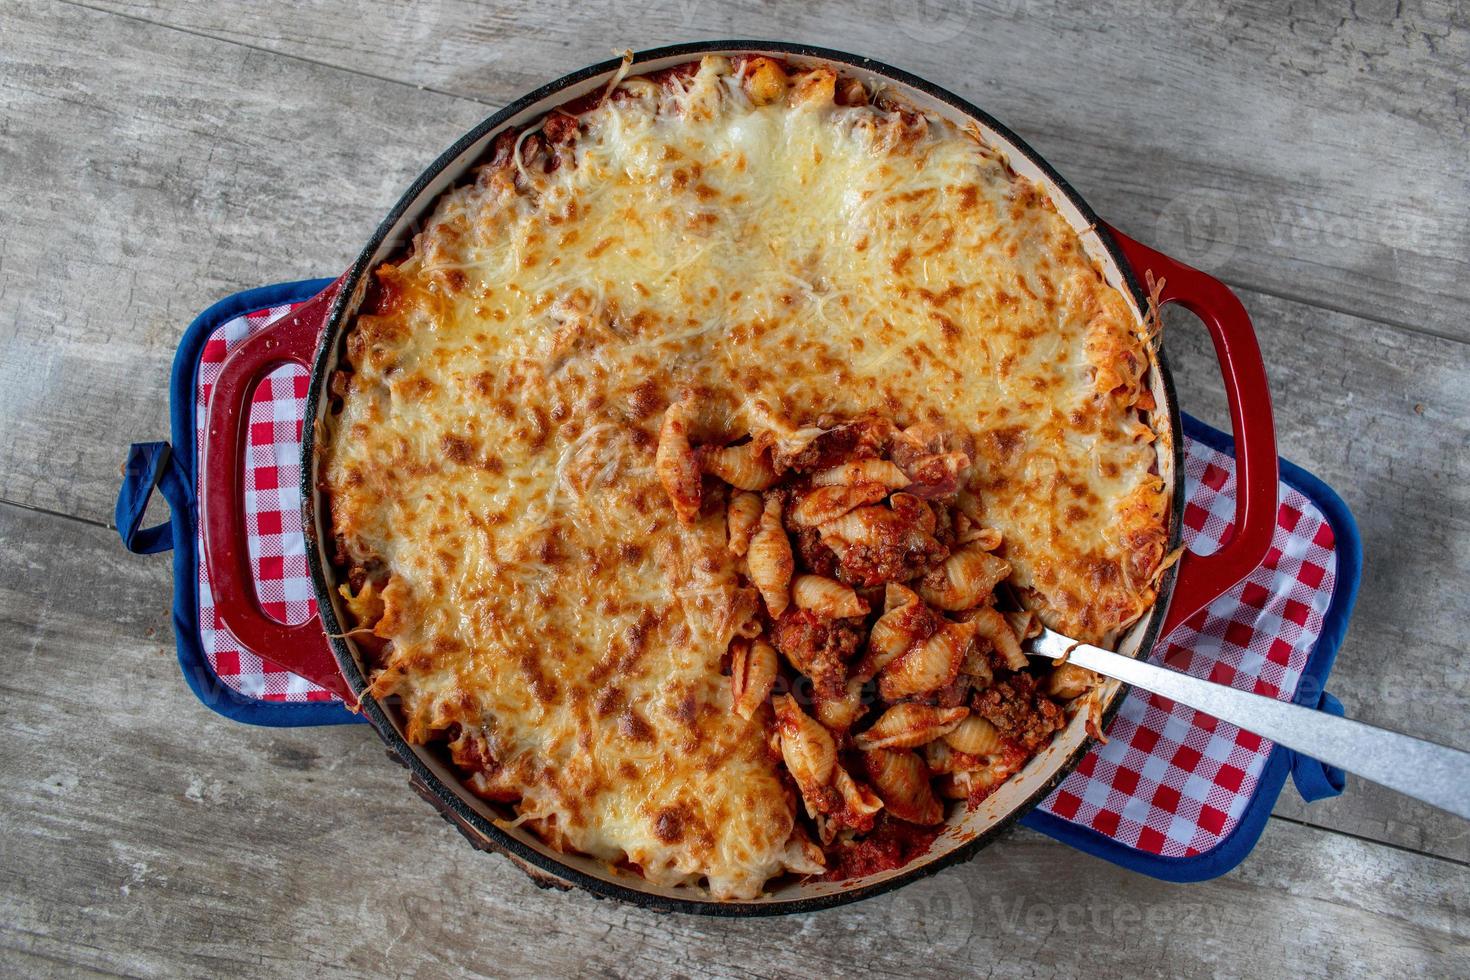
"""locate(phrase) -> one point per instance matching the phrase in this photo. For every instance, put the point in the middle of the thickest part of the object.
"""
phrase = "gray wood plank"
(171, 182)
(143, 835)
(149, 173)
(1305, 150)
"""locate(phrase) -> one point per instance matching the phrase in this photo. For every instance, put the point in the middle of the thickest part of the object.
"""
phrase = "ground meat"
(1021, 713)
(559, 127)
(927, 439)
(812, 554)
(937, 475)
(869, 564)
(892, 844)
(890, 545)
(951, 695)
(819, 648)
(943, 523)
(841, 443)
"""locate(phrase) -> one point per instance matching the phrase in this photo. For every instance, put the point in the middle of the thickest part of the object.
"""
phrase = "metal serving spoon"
(1436, 774)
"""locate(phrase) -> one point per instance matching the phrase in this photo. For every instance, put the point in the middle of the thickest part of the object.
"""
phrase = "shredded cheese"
(494, 452)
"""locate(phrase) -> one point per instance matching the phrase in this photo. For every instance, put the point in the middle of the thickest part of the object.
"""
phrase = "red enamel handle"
(1204, 578)
(300, 649)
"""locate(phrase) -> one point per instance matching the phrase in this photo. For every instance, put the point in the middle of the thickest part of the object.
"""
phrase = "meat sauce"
(892, 844)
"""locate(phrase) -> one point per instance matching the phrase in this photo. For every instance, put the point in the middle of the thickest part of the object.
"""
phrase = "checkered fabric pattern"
(272, 516)
(1170, 781)
(1175, 782)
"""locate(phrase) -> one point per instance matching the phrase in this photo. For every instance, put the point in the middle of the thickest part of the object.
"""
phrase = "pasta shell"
(929, 665)
(862, 525)
(806, 748)
(904, 726)
(859, 803)
(964, 578)
(985, 538)
(839, 714)
(746, 467)
(1024, 623)
(941, 757)
(828, 503)
(826, 597)
(816, 89)
(801, 856)
(878, 544)
(991, 625)
(769, 559)
(904, 622)
(977, 783)
(675, 462)
(896, 596)
(1068, 681)
(765, 80)
(742, 517)
(974, 736)
(932, 477)
(902, 782)
(871, 470)
(752, 675)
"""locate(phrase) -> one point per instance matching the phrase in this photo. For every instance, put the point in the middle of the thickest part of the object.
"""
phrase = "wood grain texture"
(145, 836)
(1354, 422)
(152, 168)
(1305, 150)
(1383, 416)
(112, 334)
(149, 173)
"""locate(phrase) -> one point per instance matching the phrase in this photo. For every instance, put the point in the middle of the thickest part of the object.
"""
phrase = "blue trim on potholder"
(1313, 780)
(176, 479)
(172, 471)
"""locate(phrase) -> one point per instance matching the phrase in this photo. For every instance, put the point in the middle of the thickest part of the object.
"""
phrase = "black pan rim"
(343, 305)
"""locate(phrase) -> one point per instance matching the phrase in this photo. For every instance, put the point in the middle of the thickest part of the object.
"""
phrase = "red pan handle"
(1204, 578)
(300, 649)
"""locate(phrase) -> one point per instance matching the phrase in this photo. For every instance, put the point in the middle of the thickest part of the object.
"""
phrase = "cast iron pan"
(312, 337)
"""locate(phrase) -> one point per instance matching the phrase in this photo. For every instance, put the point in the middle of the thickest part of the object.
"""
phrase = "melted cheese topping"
(494, 453)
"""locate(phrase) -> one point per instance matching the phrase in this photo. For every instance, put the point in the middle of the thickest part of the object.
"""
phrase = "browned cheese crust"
(778, 246)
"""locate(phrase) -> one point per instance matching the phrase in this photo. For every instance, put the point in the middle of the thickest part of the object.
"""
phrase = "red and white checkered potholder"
(1173, 781)
(1170, 781)
(272, 515)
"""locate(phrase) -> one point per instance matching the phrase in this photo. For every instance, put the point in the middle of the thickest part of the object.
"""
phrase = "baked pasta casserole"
(700, 468)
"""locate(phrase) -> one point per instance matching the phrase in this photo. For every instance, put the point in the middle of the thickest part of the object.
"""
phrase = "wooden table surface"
(155, 156)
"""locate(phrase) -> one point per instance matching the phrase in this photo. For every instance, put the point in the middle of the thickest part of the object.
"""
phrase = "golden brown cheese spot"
(797, 255)
(457, 449)
(632, 725)
(609, 701)
(670, 823)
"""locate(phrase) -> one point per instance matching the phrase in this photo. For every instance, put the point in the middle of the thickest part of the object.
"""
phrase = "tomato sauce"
(892, 844)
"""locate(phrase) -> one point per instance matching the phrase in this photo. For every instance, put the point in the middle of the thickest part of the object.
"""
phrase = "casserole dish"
(315, 335)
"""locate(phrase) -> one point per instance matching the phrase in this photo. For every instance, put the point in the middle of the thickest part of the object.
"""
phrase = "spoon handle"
(1436, 774)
